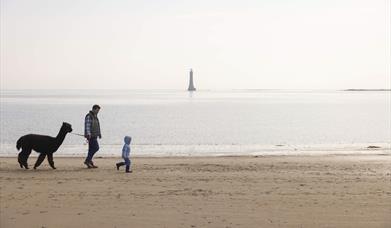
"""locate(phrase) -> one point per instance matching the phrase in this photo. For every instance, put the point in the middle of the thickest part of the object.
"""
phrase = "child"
(125, 155)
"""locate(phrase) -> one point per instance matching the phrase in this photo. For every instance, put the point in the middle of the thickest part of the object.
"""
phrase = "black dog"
(45, 145)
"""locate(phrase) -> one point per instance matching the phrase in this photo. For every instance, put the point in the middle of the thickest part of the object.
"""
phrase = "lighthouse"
(191, 84)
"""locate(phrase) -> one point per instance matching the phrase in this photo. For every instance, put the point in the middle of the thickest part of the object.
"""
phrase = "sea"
(205, 123)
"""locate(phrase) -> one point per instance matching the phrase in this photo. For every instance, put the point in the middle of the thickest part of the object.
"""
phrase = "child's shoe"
(119, 164)
(127, 169)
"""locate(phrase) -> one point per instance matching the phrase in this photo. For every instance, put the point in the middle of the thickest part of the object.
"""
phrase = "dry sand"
(282, 191)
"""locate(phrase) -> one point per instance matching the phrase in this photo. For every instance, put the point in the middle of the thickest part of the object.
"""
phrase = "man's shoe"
(88, 164)
(92, 165)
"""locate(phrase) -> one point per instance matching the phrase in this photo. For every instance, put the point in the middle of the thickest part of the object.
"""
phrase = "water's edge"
(217, 150)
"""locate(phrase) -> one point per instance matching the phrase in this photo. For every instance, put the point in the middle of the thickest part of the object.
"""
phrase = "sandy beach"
(261, 191)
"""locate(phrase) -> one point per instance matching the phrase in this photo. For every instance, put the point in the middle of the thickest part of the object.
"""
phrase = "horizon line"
(206, 89)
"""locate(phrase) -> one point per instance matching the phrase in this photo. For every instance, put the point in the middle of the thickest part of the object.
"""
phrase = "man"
(92, 132)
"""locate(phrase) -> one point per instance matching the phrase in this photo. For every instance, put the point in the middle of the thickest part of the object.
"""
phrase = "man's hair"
(96, 106)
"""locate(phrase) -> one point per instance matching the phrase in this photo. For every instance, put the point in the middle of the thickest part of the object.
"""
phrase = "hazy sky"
(151, 44)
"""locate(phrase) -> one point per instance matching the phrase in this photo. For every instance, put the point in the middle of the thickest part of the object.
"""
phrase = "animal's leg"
(20, 159)
(40, 160)
(50, 160)
(23, 156)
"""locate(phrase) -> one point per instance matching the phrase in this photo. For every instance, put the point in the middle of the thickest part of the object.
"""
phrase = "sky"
(151, 44)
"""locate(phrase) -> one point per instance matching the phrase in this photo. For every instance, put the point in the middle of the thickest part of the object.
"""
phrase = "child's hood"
(127, 139)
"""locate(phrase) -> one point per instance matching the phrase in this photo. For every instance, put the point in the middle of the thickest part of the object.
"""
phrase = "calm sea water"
(238, 122)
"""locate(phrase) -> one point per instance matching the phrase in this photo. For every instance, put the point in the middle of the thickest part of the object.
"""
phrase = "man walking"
(92, 132)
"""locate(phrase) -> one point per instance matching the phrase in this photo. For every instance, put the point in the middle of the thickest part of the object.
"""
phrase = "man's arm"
(87, 126)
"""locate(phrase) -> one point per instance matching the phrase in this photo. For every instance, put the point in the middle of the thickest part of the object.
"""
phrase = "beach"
(245, 191)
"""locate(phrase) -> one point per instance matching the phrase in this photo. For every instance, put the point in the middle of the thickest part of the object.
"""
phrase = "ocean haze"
(229, 44)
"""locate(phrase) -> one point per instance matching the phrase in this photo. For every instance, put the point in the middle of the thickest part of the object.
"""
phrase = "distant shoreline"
(367, 90)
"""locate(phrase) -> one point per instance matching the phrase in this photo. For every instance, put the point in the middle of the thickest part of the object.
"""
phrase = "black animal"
(45, 145)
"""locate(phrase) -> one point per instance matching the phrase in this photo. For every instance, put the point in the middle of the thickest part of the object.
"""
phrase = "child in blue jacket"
(125, 155)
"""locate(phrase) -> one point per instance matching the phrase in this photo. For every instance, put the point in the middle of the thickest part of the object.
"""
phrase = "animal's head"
(67, 127)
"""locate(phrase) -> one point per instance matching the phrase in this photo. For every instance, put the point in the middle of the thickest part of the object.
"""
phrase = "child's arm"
(128, 152)
(125, 151)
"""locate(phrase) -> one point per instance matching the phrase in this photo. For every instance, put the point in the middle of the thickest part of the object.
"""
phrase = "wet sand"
(280, 191)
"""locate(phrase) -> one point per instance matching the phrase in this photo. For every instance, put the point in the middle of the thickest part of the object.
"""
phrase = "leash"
(76, 134)
(85, 143)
